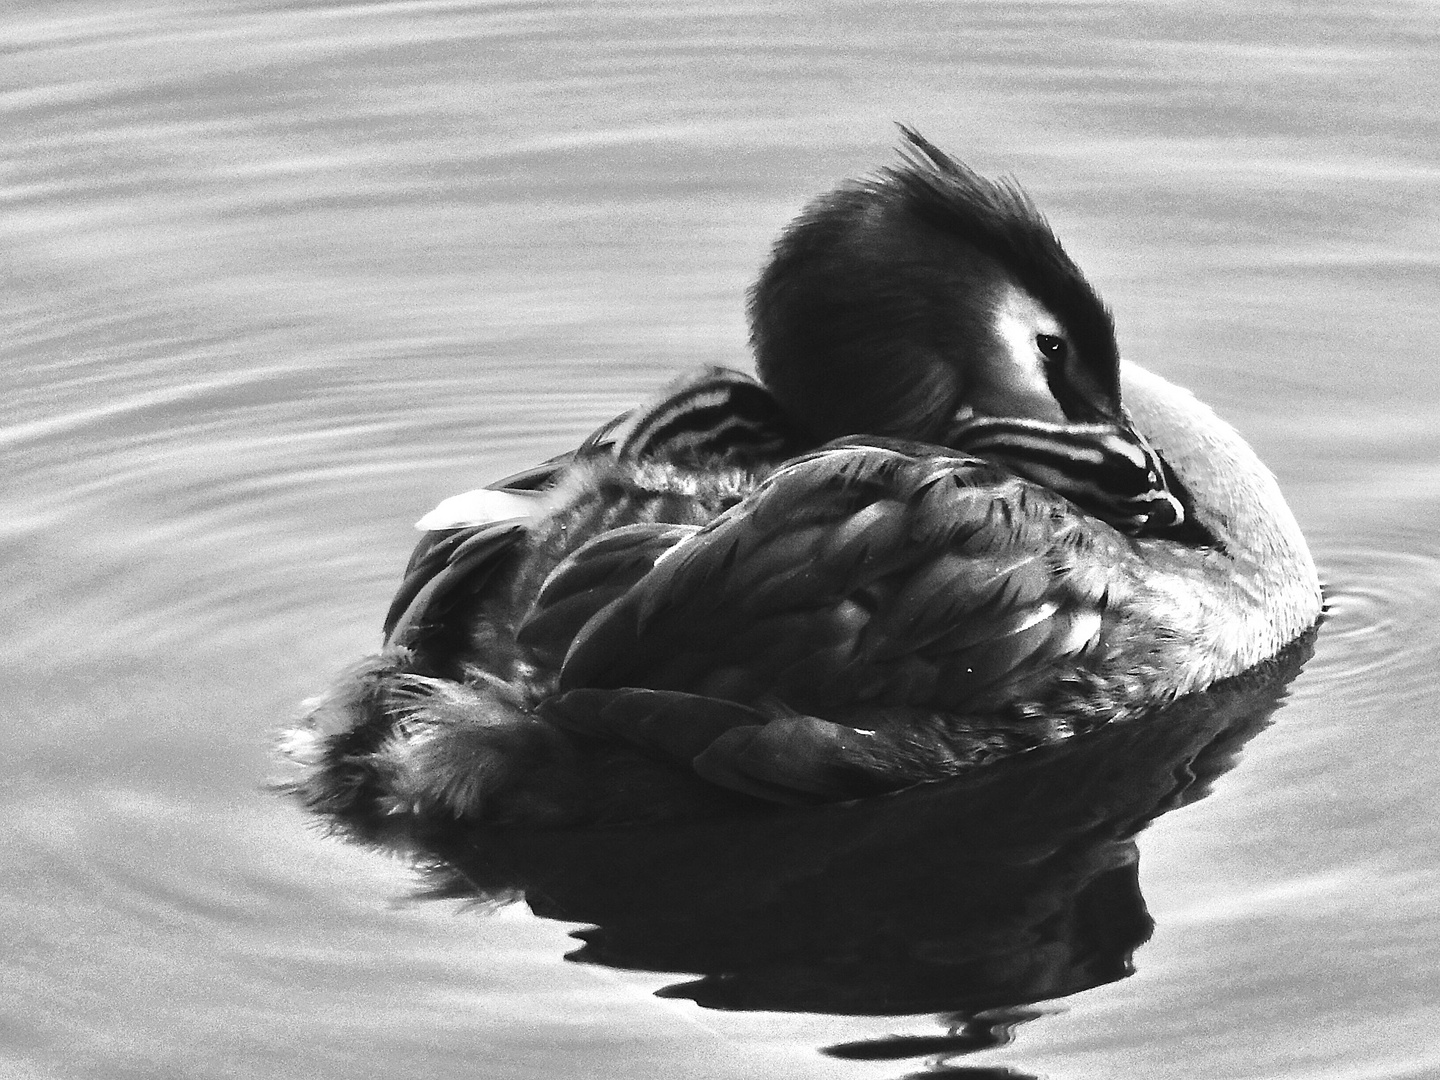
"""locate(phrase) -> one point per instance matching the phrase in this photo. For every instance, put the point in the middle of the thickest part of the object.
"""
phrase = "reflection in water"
(970, 897)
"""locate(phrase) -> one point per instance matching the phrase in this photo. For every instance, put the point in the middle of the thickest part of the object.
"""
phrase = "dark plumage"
(706, 607)
(876, 312)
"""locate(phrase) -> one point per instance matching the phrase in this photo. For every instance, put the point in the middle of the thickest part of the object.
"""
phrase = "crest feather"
(1000, 219)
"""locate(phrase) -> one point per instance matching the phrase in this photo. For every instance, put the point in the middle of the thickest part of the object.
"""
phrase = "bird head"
(926, 300)
(895, 302)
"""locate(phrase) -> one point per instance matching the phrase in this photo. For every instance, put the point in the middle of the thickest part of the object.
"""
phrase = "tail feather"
(473, 751)
(390, 757)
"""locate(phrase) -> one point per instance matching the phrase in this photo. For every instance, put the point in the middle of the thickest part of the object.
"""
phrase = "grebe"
(731, 598)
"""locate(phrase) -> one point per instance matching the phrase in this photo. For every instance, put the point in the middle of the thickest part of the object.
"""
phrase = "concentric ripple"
(1381, 639)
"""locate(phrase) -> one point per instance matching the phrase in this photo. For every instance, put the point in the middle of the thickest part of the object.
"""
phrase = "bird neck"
(1262, 556)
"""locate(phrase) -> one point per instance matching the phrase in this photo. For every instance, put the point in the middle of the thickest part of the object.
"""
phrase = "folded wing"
(862, 574)
(875, 609)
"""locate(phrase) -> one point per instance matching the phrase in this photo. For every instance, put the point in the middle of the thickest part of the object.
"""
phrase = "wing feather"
(669, 725)
(589, 579)
(858, 574)
(456, 567)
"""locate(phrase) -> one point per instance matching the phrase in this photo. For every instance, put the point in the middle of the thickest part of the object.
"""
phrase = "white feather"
(483, 506)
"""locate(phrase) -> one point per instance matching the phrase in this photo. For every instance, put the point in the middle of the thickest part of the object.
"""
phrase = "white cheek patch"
(1027, 366)
(1016, 373)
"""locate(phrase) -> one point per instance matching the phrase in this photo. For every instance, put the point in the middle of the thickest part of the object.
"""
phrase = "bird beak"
(1107, 469)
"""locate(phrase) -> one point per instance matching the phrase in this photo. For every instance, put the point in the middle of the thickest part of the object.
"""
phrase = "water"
(278, 277)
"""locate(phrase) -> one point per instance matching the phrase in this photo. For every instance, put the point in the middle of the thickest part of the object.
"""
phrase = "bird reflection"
(972, 897)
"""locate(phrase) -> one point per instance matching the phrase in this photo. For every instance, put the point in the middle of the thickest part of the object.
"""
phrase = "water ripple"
(1380, 641)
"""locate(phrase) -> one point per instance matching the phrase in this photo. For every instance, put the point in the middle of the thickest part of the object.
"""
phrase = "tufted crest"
(999, 218)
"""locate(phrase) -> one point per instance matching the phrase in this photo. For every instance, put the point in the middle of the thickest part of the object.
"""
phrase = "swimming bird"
(931, 536)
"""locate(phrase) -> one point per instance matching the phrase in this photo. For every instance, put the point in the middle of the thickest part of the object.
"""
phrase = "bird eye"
(1053, 348)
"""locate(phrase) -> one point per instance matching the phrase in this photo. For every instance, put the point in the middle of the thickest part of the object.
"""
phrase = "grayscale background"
(276, 277)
